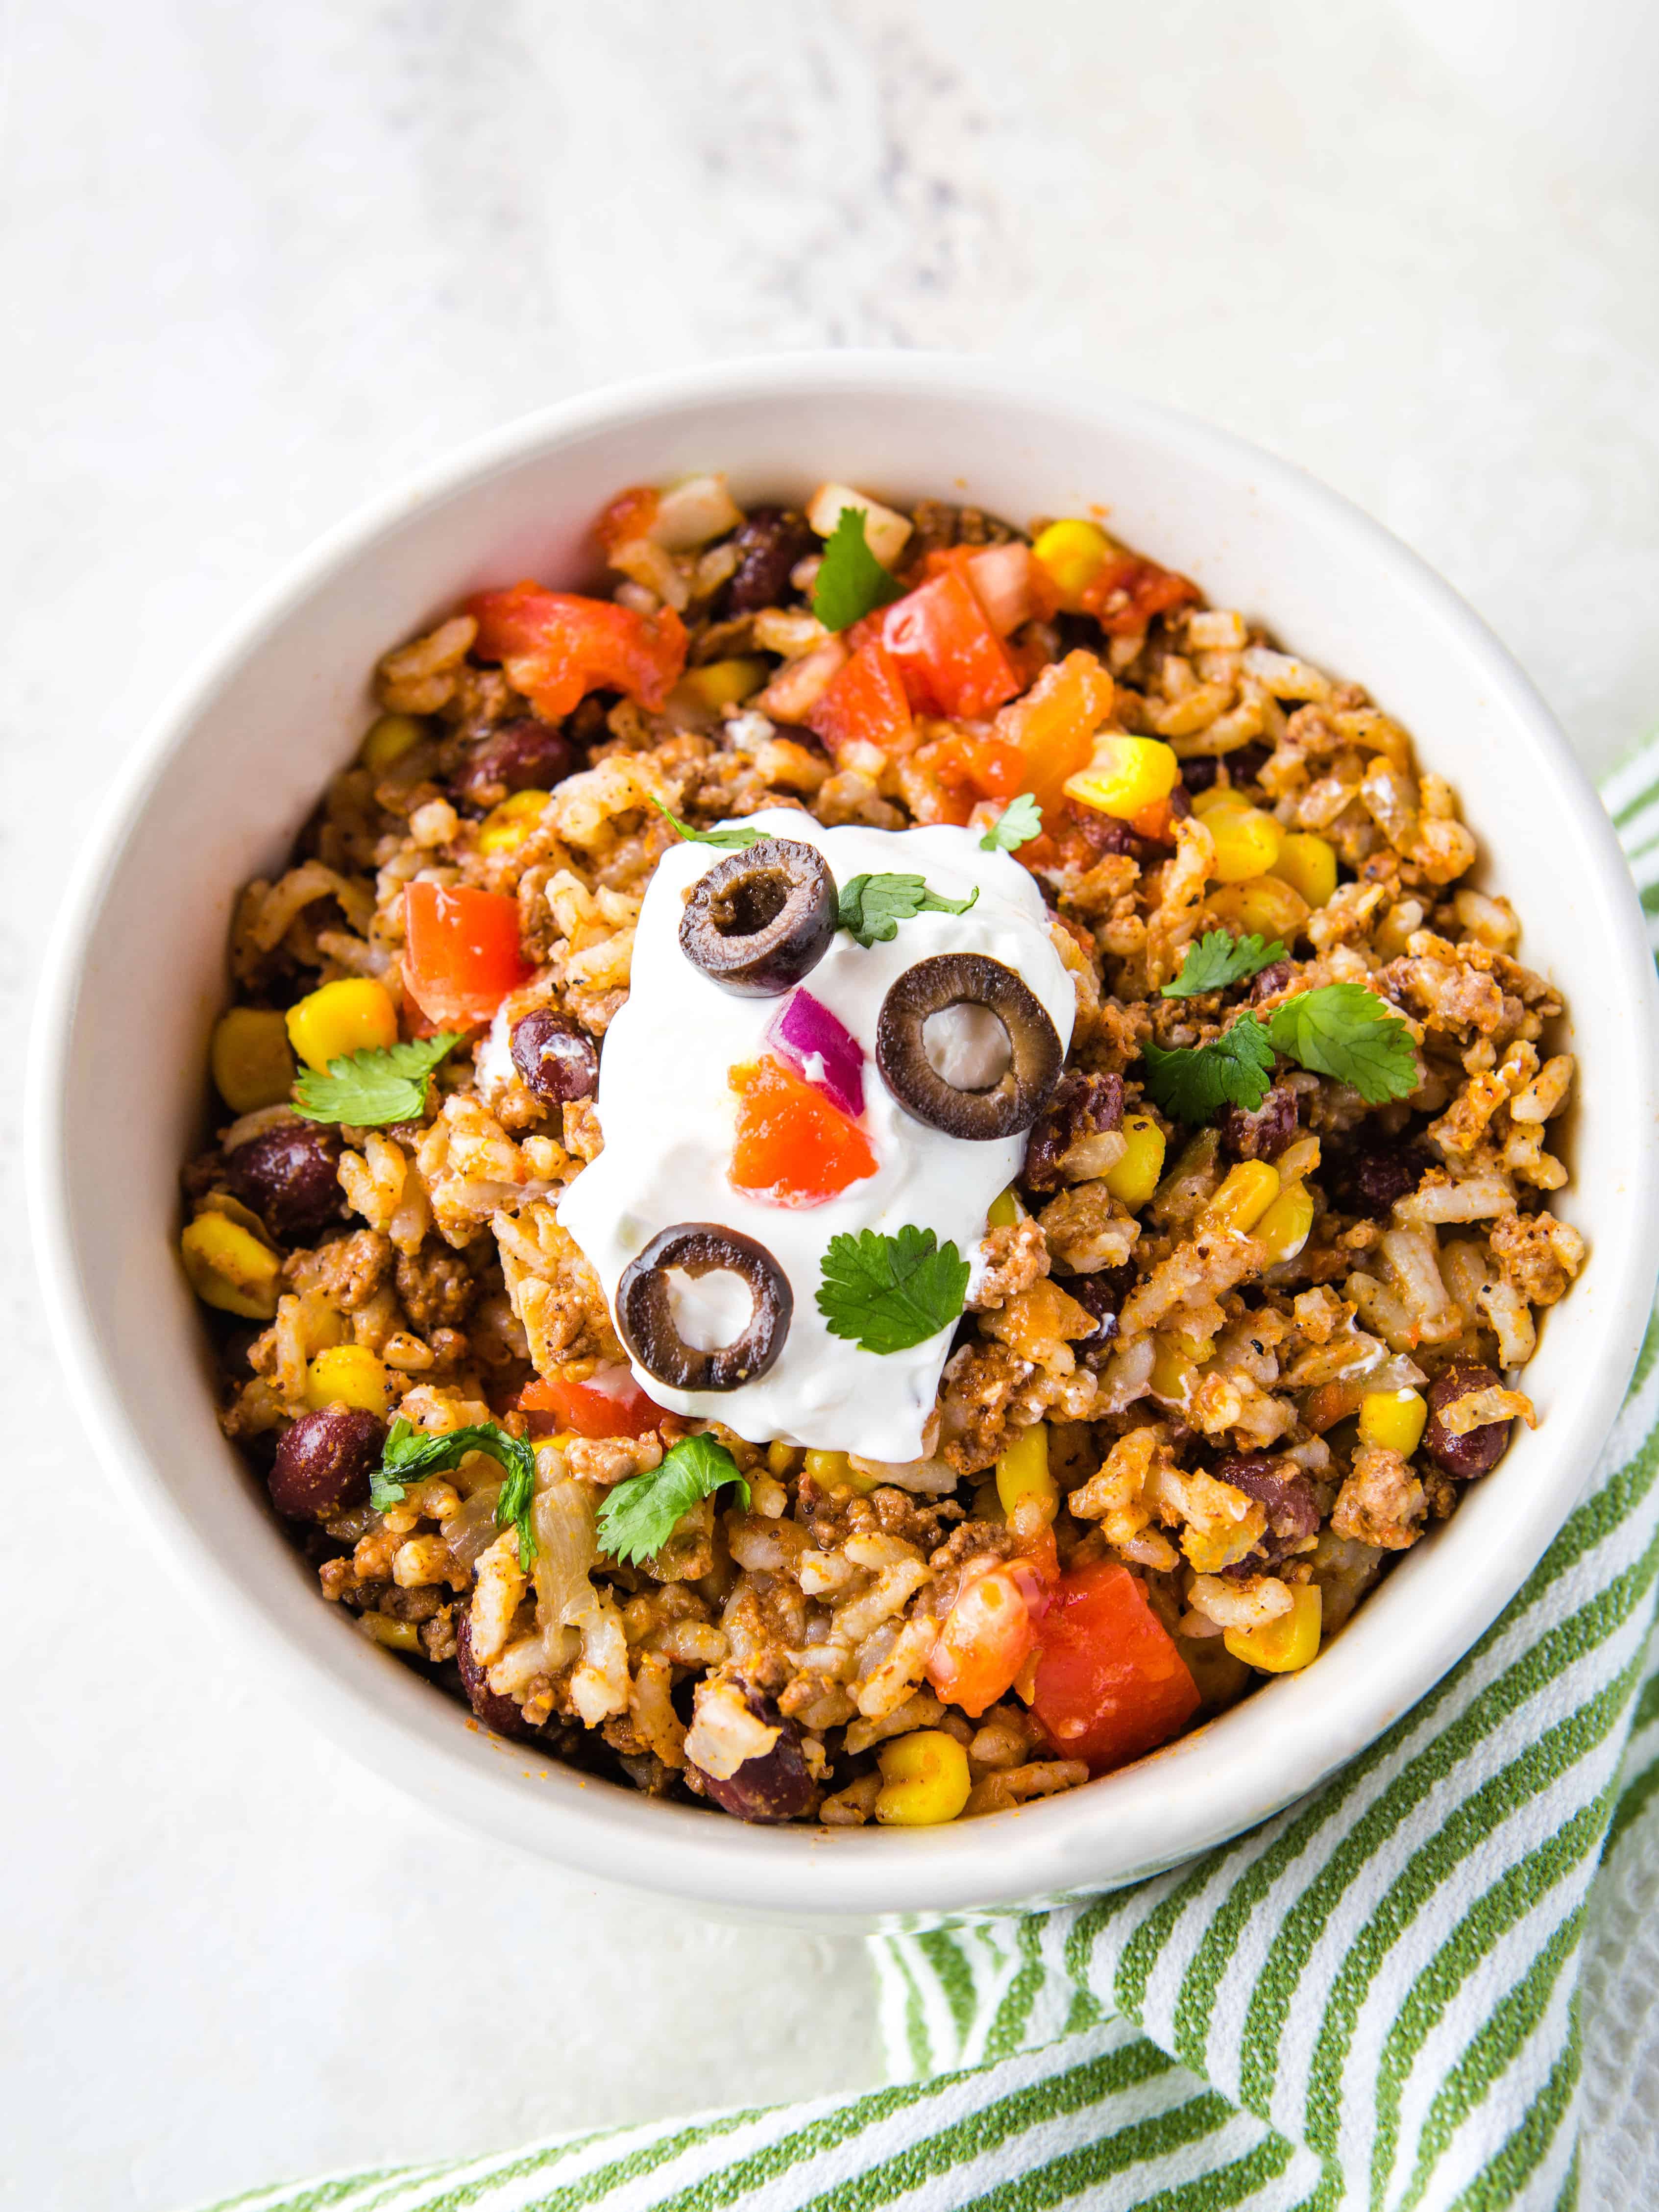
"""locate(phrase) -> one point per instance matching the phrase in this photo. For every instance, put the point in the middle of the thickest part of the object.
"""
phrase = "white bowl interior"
(227, 780)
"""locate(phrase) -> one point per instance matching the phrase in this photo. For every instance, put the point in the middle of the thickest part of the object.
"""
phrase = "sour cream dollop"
(669, 1116)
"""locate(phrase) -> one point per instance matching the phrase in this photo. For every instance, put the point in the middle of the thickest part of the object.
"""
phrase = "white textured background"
(257, 262)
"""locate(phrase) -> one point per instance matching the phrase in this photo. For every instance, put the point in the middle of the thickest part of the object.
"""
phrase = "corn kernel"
(1283, 1229)
(780, 1458)
(1308, 865)
(347, 1375)
(1125, 775)
(1247, 842)
(230, 1268)
(252, 1064)
(1282, 1645)
(722, 683)
(395, 1635)
(1023, 1471)
(1174, 1375)
(1073, 552)
(1005, 1210)
(1219, 798)
(508, 824)
(1266, 906)
(1393, 1418)
(387, 740)
(833, 1470)
(924, 1780)
(1134, 1178)
(1246, 1192)
(345, 1017)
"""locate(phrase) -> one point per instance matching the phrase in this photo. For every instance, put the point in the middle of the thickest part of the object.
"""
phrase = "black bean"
(777, 1786)
(1100, 1294)
(1261, 1135)
(288, 1175)
(323, 1463)
(770, 541)
(1246, 762)
(1199, 772)
(557, 1058)
(494, 1710)
(1478, 1450)
(1079, 1106)
(526, 755)
(1369, 1177)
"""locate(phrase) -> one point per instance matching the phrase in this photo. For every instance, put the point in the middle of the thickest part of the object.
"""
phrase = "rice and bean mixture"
(1220, 1364)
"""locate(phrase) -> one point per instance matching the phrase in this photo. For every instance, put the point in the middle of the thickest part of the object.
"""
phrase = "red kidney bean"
(1479, 1450)
(558, 1060)
(496, 1711)
(526, 755)
(288, 1175)
(770, 541)
(1199, 772)
(1281, 1486)
(1100, 1294)
(1079, 1106)
(1367, 1178)
(1246, 762)
(1264, 1134)
(1273, 978)
(778, 1786)
(324, 1463)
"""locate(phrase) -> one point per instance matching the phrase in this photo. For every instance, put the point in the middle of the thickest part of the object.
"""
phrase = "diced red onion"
(808, 1036)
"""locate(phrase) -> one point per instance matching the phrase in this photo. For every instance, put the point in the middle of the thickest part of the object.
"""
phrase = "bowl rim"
(390, 1719)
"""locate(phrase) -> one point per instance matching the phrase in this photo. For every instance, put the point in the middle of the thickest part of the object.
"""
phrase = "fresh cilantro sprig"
(851, 583)
(1018, 823)
(887, 1293)
(727, 840)
(409, 1454)
(639, 1516)
(383, 1083)
(873, 907)
(1219, 959)
(1341, 1029)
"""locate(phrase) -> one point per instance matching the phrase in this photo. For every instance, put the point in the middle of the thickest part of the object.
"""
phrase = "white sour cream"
(669, 1117)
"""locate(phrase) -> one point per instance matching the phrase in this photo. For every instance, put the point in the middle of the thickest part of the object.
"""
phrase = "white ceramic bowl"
(222, 782)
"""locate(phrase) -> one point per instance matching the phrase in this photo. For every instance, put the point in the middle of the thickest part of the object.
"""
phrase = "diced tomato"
(988, 1634)
(951, 660)
(609, 1402)
(1129, 590)
(461, 954)
(1155, 822)
(793, 1148)
(557, 647)
(1007, 582)
(964, 768)
(1053, 725)
(629, 516)
(1109, 1683)
(865, 703)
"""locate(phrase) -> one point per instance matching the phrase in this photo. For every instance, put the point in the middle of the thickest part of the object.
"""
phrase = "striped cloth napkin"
(1372, 2001)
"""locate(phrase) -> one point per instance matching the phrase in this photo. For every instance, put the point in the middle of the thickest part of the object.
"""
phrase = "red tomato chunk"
(609, 1402)
(865, 703)
(793, 1148)
(951, 660)
(988, 1635)
(1110, 1684)
(556, 647)
(461, 954)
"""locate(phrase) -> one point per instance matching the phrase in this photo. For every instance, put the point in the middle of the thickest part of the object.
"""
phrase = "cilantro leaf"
(887, 1293)
(1219, 959)
(851, 583)
(409, 1454)
(727, 840)
(384, 1083)
(1018, 823)
(1192, 1083)
(873, 907)
(639, 1516)
(1344, 1030)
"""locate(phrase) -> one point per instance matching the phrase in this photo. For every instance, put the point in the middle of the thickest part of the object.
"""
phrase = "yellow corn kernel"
(1023, 1471)
(722, 683)
(1073, 552)
(1283, 1229)
(1219, 798)
(252, 1064)
(345, 1017)
(230, 1268)
(1125, 775)
(387, 740)
(1134, 1178)
(924, 1780)
(1174, 1375)
(395, 1635)
(347, 1375)
(1308, 865)
(1005, 1210)
(1196, 1348)
(512, 822)
(1266, 906)
(1246, 1192)
(1281, 1646)
(1393, 1418)
(1247, 842)
(833, 1470)
(780, 1458)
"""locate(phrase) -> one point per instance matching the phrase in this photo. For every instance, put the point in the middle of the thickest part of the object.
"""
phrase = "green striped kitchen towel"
(1372, 2001)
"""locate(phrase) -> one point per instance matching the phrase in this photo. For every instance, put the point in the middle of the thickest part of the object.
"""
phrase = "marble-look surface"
(259, 261)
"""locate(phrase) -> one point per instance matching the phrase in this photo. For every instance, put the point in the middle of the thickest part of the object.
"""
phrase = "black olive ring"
(1002, 1109)
(761, 919)
(644, 1313)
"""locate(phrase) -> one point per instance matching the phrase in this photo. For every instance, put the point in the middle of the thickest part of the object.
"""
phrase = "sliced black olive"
(918, 1077)
(762, 919)
(645, 1311)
